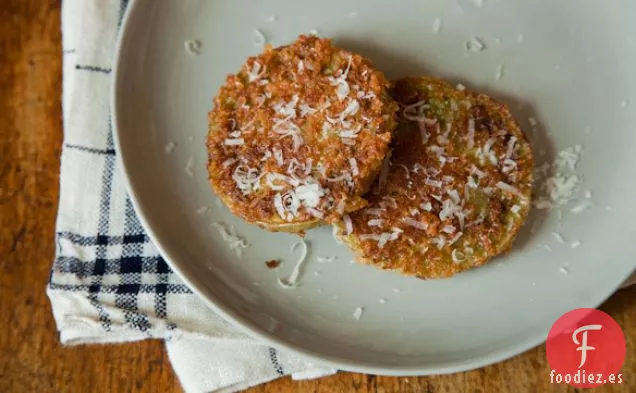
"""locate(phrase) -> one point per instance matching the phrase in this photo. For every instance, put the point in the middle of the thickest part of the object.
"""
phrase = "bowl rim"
(246, 326)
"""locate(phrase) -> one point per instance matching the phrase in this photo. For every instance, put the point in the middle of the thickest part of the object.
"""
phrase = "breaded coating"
(298, 135)
(456, 189)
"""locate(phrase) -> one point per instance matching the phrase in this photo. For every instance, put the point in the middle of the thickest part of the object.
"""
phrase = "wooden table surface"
(31, 358)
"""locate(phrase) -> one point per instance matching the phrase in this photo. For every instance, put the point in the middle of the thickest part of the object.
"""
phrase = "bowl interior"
(569, 67)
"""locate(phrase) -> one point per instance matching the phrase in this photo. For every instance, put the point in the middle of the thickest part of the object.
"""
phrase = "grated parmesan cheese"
(334, 233)
(326, 259)
(383, 238)
(471, 182)
(437, 25)
(508, 165)
(511, 147)
(489, 153)
(558, 237)
(342, 87)
(569, 157)
(352, 108)
(349, 134)
(557, 190)
(235, 242)
(471, 133)
(439, 242)
(433, 183)
(511, 189)
(255, 73)
(348, 224)
(520, 38)
(315, 212)
(306, 110)
(580, 208)
(374, 223)
(234, 142)
(357, 313)
(310, 194)
(499, 73)
(273, 177)
(458, 256)
(454, 196)
(193, 47)
(373, 212)
(423, 133)
(259, 38)
(189, 169)
(414, 223)
(480, 174)
(246, 178)
(292, 281)
(278, 204)
(475, 45)
(415, 112)
(449, 229)
(260, 100)
(292, 131)
(354, 166)
(278, 156)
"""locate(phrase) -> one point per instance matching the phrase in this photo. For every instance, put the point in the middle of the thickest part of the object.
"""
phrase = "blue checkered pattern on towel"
(108, 282)
(119, 267)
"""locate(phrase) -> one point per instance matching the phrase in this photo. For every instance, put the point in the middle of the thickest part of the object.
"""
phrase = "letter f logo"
(583, 344)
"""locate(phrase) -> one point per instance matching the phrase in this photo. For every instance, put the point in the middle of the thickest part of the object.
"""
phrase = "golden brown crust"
(457, 189)
(298, 134)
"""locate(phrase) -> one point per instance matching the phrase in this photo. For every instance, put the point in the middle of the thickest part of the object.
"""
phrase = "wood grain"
(31, 358)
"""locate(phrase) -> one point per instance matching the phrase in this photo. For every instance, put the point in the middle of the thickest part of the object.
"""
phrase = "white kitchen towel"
(108, 283)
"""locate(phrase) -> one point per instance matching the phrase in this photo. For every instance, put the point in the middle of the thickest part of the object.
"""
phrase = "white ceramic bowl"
(570, 65)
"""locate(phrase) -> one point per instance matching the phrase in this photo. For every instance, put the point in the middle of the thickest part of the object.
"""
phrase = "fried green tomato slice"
(455, 191)
(298, 135)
